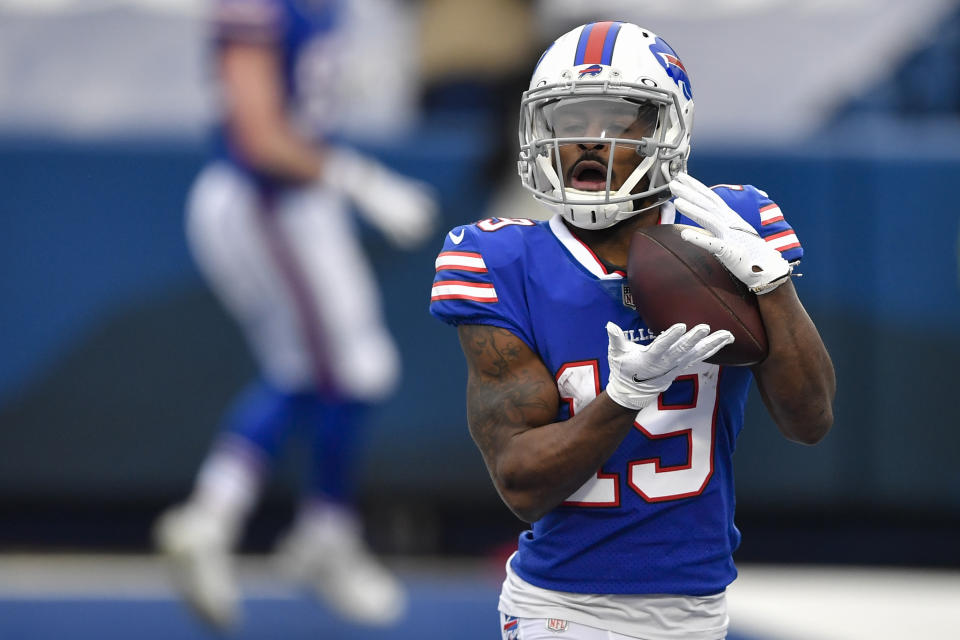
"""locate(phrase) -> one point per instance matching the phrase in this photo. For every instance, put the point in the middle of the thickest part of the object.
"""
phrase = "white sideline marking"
(845, 603)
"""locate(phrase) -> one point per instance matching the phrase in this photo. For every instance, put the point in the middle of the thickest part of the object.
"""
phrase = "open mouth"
(589, 175)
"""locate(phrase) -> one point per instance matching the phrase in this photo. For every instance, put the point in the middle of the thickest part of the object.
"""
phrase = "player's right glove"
(638, 374)
(735, 243)
(404, 210)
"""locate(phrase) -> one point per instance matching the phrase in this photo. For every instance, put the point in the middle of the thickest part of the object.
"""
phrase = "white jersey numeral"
(493, 224)
(579, 384)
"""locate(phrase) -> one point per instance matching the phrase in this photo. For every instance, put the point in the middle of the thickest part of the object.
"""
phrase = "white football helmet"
(605, 85)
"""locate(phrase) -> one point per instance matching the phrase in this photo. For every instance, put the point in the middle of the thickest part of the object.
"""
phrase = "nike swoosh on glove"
(735, 243)
(638, 373)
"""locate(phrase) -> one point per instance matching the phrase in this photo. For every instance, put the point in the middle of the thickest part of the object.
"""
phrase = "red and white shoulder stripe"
(770, 213)
(783, 241)
(460, 261)
(463, 290)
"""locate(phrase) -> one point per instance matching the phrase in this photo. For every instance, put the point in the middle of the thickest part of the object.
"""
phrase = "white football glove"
(638, 374)
(404, 210)
(735, 243)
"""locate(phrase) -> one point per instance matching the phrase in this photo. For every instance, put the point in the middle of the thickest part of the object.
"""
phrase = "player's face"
(584, 165)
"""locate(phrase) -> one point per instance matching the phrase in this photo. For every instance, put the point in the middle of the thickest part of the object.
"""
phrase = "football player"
(270, 226)
(617, 444)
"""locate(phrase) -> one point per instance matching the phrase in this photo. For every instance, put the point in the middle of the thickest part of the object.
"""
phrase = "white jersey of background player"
(269, 222)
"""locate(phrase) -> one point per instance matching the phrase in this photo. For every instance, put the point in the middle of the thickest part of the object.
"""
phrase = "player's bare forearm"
(258, 122)
(512, 401)
(797, 380)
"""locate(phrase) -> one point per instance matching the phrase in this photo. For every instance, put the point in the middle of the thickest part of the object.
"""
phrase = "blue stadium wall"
(116, 361)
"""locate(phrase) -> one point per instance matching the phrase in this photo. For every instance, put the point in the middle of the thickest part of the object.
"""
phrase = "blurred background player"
(269, 223)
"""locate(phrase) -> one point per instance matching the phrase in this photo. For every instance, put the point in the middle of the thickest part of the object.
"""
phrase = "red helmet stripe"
(594, 50)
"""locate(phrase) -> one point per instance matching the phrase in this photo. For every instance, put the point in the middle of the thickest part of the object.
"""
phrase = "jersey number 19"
(579, 384)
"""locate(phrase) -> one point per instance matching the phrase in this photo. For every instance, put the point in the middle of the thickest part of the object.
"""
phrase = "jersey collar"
(581, 252)
(585, 256)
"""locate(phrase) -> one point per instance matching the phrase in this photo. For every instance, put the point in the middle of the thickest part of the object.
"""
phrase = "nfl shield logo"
(555, 624)
(628, 298)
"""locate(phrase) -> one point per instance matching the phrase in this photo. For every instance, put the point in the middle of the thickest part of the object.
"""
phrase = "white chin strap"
(587, 209)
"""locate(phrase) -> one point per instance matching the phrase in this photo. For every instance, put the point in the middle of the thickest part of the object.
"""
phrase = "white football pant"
(297, 280)
(558, 629)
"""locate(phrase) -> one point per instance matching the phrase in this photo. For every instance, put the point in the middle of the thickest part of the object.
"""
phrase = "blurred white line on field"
(845, 603)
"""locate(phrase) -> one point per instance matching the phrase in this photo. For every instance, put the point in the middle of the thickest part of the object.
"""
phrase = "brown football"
(674, 281)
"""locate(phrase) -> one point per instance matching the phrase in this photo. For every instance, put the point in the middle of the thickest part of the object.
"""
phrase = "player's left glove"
(736, 244)
(404, 210)
(639, 373)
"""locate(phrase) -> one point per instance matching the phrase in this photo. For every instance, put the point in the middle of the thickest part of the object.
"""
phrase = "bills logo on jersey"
(668, 59)
(591, 72)
(511, 628)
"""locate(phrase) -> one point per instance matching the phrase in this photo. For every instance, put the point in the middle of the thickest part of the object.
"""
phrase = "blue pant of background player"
(265, 417)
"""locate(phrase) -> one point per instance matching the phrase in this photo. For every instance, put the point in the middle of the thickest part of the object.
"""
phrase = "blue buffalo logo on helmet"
(591, 72)
(669, 60)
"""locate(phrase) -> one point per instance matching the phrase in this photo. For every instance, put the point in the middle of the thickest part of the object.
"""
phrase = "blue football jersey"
(658, 515)
(303, 33)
